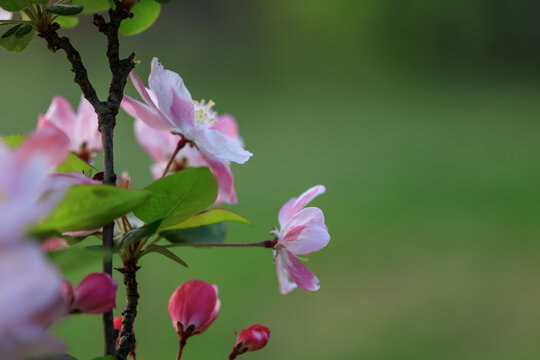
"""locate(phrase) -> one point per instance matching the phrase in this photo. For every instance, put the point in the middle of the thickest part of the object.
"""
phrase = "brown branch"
(127, 338)
(106, 111)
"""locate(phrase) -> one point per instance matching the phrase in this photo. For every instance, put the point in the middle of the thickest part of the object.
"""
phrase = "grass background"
(420, 117)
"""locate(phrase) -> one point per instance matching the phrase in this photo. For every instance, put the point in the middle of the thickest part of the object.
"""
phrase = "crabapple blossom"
(161, 145)
(302, 231)
(253, 338)
(5, 15)
(96, 294)
(81, 128)
(30, 300)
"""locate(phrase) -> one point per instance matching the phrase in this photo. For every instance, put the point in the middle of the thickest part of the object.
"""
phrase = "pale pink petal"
(227, 125)
(5, 15)
(61, 114)
(299, 273)
(87, 126)
(48, 142)
(53, 244)
(182, 111)
(159, 144)
(143, 91)
(166, 86)
(305, 232)
(224, 177)
(285, 284)
(283, 215)
(147, 114)
(215, 144)
(305, 198)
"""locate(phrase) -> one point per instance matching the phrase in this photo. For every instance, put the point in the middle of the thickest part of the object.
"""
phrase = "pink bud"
(95, 294)
(193, 307)
(253, 338)
(68, 293)
(54, 244)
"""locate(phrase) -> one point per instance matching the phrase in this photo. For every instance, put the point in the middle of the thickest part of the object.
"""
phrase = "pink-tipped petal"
(48, 142)
(285, 284)
(299, 273)
(166, 86)
(87, 126)
(61, 114)
(147, 114)
(305, 232)
(253, 338)
(224, 177)
(284, 212)
(96, 294)
(305, 198)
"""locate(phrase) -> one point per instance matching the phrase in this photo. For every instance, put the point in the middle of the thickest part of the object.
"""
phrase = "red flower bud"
(193, 307)
(95, 294)
(253, 338)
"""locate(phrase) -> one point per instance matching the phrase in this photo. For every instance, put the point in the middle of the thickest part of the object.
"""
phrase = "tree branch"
(127, 338)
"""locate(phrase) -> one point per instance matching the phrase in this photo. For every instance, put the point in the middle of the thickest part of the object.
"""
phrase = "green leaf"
(179, 196)
(19, 42)
(67, 22)
(145, 14)
(13, 141)
(74, 258)
(135, 235)
(163, 251)
(163, 1)
(91, 206)
(11, 31)
(92, 6)
(209, 217)
(15, 5)
(214, 233)
(74, 164)
(65, 10)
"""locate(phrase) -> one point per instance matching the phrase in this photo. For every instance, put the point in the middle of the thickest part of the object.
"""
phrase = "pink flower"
(253, 338)
(53, 244)
(96, 294)
(81, 128)
(161, 146)
(169, 107)
(24, 185)
(302, 231)
(193, 307)
(30, 300)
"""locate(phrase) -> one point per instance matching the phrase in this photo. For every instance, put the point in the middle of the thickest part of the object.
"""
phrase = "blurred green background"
(420, 117)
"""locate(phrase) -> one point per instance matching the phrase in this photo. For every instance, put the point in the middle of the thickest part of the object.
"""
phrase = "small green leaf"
(67, 22)
(11, 31)
(179, 196)
(209, 217)
(214, 233)
(19, 42)
(74, 164)
(145, 14)
(92, 6)
(15, 5)
(163, 251)
(91, 206)
(74, 258)
(13, 141)
(65, 10)
(135, 235)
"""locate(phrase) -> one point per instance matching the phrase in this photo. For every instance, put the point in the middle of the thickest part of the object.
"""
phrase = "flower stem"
(181, 347)
(181, 143)
(266, 244)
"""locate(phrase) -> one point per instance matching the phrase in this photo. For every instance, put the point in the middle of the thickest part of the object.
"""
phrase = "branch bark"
(106, 111)
(127, 338)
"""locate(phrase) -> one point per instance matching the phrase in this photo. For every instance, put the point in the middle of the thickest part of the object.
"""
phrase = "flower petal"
(285, 284)
(299, 273)
(159, 144)
(305, 232)
(283, 215)
(225, 180)
(216, 144)
(87, 126)
(147, 114)
(227, 125)
(61, 114)
(305, 198)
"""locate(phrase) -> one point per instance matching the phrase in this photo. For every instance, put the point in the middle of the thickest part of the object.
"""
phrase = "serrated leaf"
(74, 257)
(67, 22)
(145, 13)
(179, 196)
(163, 251)
(19, 42)
(214, 233)
(92, 6)
(91, 206)
(135, 235)
(15, 5)
(64, 9)
(209, 217)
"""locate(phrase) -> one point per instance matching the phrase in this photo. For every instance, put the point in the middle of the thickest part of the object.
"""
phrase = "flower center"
(204, 115)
